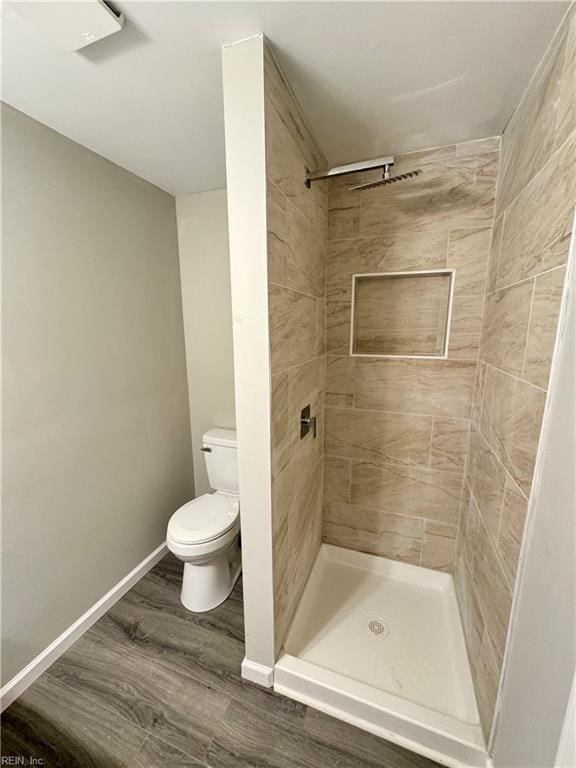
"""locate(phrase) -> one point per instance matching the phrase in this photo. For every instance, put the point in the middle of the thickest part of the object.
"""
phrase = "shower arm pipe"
(343, 170)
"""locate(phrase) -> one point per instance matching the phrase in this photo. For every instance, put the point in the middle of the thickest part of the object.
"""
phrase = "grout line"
(526, 279)
(290, 201)
(523, 368)
(515, 483)
(513, 376)
(296, 290)
(421, 552)
(481, 516)
(489, 538)
(482, 398)
(395, 464)
(293, 107)
(493, 250)
(448, 243)
(430, 441)
(477, 141)
(456, 294)
(288, 368)
(456, 362)
(486, 279)
(500, 247)
(464, 482)
(502, 465)
(400, 413)
(325, 334)
(539, 171)
(500, 516)
(378, 511)
(539, 71)
(491, 449)
(496, 554)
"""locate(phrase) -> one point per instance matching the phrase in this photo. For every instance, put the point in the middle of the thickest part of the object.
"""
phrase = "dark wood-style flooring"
(151, 684)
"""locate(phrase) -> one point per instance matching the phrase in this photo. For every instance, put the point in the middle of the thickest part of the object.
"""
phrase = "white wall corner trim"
(32, 671)
(243, 83)
(257, 673)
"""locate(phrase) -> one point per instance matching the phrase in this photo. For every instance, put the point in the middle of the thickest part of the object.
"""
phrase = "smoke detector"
(71, 25)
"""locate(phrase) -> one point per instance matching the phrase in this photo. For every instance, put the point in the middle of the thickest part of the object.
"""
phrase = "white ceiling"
(373, 78)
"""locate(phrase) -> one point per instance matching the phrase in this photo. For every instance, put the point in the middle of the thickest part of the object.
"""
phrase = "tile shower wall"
(530, 242)
(397, 429)
(296, 224)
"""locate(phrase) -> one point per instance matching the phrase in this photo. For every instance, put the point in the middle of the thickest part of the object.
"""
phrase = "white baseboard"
(258, 673)
(40, 664)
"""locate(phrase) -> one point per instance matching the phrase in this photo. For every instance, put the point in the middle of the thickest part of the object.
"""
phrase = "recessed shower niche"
(401, 314)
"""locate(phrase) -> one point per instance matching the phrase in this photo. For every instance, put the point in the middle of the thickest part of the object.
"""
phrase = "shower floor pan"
(379, 644)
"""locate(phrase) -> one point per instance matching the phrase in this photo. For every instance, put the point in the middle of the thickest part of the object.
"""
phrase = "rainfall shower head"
(386, 179)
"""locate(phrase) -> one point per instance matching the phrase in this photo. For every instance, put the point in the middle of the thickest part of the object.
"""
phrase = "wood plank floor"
(151, 684)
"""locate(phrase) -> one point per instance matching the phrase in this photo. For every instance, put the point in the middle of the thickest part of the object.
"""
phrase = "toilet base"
(207, 584)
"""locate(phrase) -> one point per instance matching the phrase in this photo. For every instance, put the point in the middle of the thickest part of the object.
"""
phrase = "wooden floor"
(154, 685)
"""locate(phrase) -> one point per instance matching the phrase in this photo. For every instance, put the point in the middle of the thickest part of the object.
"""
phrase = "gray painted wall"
(205, 277)
(96, 434)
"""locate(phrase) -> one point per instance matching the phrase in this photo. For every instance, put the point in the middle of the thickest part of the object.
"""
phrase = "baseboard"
(257, 673)
(48, 656)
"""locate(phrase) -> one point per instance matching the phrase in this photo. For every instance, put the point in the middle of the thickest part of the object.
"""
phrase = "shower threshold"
(379, 644)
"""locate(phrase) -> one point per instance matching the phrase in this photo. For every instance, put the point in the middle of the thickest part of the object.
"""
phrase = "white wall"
(96, 437)
(205, 277)
(243, 76)
(541, 661)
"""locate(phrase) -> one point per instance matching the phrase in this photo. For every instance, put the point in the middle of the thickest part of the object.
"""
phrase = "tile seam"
(293, 205)
(535, 276)
(491, 542)
(290, 367)
(537, 174)
(395, 464)
(421, 519)
(401, 413)
(524, 354)
(513, 376)
(317, 297)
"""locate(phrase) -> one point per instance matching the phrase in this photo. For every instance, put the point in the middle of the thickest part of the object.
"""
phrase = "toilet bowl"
(204, 532)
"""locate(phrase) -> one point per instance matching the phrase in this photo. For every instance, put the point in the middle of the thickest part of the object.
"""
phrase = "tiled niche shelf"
(401, 314)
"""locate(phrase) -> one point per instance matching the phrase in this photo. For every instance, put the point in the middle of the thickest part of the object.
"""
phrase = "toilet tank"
(220, 453)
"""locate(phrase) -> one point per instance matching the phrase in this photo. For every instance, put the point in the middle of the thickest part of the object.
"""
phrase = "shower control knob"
(307, 423)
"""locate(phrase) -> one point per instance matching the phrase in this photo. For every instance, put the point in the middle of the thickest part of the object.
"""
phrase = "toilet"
(204, 533)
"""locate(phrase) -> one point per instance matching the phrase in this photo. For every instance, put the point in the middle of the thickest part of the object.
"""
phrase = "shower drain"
(378, 628)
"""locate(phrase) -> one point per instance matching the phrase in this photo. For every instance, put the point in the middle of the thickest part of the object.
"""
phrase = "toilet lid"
(204, 518)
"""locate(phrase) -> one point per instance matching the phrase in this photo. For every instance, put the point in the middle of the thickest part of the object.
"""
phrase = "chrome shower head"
(386, 179)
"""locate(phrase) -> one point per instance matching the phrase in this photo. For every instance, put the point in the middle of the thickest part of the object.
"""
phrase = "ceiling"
(373, 78)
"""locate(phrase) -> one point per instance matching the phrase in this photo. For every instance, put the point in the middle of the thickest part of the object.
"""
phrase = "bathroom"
(277, 300)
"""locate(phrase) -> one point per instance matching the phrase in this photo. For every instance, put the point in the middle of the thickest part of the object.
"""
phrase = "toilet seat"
(204, 519)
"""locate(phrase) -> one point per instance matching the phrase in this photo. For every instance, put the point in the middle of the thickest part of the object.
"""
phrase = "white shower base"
(379, 644)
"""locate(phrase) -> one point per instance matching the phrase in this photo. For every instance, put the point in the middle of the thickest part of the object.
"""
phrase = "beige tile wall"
(397, 429)
(529, 248)
(297, 225)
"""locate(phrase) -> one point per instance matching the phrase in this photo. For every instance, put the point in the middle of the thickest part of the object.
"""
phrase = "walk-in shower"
(377, 636)
(381, 549)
